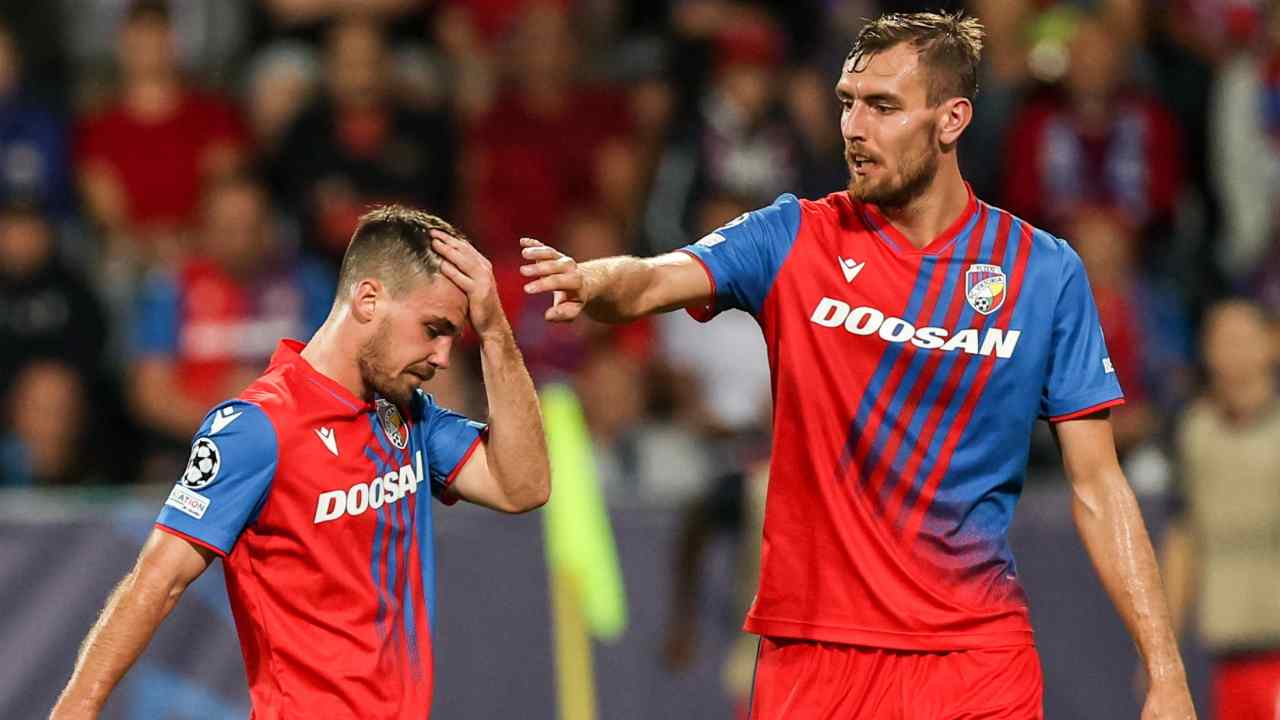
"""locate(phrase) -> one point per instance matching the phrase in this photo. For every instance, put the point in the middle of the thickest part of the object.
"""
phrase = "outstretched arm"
(509, 472)
(1110, 524)
(165, 567)
(616, 289)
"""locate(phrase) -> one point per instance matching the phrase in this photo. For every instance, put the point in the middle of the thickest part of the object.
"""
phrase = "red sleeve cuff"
(703, 313)
(1087, 411)
(449, 498)
(192, 540)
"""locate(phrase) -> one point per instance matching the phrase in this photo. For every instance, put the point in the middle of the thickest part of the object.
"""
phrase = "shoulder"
(1046, 248)
(276, 396)
(241, 427)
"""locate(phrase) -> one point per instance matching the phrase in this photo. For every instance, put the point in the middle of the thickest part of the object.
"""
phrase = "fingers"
(564, 281)
(548, 267)
(563, 312)
(459, 278)
(542, 252)
(463, 255)
(527, 242)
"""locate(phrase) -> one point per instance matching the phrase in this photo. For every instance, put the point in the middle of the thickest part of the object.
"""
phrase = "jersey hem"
(197, 541)
(933, 642)
(450, 499)
(702, 313)
(1086, 411)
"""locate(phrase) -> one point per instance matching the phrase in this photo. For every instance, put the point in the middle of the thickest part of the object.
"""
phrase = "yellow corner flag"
(587, 595)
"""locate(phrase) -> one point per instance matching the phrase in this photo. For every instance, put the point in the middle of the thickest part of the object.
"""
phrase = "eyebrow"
(442, 324)
(870, 97)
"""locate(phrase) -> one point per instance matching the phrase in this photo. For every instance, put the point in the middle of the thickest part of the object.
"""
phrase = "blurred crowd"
(178, 181)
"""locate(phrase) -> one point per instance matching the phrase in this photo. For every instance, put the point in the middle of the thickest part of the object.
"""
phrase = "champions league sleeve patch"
(203, 465)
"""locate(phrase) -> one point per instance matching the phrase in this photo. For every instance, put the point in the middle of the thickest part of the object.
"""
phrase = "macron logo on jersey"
(850, 268)
(362, 497)
(870, 321)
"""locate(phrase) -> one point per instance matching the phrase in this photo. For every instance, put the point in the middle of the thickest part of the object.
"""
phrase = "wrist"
(1166, 672)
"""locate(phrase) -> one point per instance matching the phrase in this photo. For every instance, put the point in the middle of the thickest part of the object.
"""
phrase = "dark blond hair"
(949, 46)
(393, 244)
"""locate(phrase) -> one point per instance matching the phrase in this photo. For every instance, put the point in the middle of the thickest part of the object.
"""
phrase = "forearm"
(1110, 524)
(621, 289)
(134, 610)
(516, 447)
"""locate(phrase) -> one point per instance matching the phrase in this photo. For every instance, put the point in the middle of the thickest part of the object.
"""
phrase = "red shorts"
(1247, 687)
(804, 680)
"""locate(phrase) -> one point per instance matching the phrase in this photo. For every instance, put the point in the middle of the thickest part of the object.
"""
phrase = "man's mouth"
(859, 162)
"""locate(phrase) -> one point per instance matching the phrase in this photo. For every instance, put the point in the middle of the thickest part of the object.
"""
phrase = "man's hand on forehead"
(472, 272)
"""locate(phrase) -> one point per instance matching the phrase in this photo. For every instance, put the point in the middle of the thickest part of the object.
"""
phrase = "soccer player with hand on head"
(915, 335)
(314, 487)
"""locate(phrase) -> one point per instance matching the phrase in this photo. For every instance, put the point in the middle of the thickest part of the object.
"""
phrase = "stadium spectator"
(34, 160)
(359, 144)
(738, 141)
(534, 155)
(281, 81)
(43, 442)
(143, 159)
(208, 37)
(46, 309)
(1245, 145)
(1096, 141)
(820, 156)
(204, 329)
(644, 455)
(1147, 331)
(1222, 553)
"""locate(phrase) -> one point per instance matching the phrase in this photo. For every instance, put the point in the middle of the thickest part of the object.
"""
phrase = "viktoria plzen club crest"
(392, 424)
(984, 288)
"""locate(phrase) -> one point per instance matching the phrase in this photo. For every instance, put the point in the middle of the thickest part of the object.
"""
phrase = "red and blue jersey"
(318, 503)
(905, 383)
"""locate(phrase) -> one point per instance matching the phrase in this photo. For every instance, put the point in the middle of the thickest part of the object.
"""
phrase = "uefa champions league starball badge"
(984, 288)
(392, 424)
(203, 465)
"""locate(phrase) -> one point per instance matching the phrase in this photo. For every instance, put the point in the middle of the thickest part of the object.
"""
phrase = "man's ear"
(365, 297)
(954, 116)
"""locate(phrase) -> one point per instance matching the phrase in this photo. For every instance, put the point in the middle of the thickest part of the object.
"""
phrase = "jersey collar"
(881, 227)
(289, 352)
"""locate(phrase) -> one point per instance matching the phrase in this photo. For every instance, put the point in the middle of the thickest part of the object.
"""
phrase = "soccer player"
(915, 334)
(313, 485)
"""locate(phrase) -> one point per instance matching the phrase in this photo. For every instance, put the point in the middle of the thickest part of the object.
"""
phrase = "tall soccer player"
(314, 488)
(915, 335)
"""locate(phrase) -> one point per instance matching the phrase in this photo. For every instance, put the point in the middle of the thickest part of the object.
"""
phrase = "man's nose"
(439, 355)
(853, 123)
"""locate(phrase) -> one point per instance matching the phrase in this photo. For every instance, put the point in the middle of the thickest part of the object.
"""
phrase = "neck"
(934, 210)
(1247, 400)
(332, 352)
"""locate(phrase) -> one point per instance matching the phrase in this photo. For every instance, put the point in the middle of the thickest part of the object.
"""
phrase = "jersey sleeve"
(743, 257)
(1081, 379)
(232, 462)
(451, 439)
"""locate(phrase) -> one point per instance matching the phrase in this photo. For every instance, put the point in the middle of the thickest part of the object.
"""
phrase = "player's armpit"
(475, 482)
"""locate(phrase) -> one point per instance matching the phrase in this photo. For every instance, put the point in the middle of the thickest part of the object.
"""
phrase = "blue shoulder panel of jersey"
(449, 437)
(1080, 374)
(746, 254)
(233, 460)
